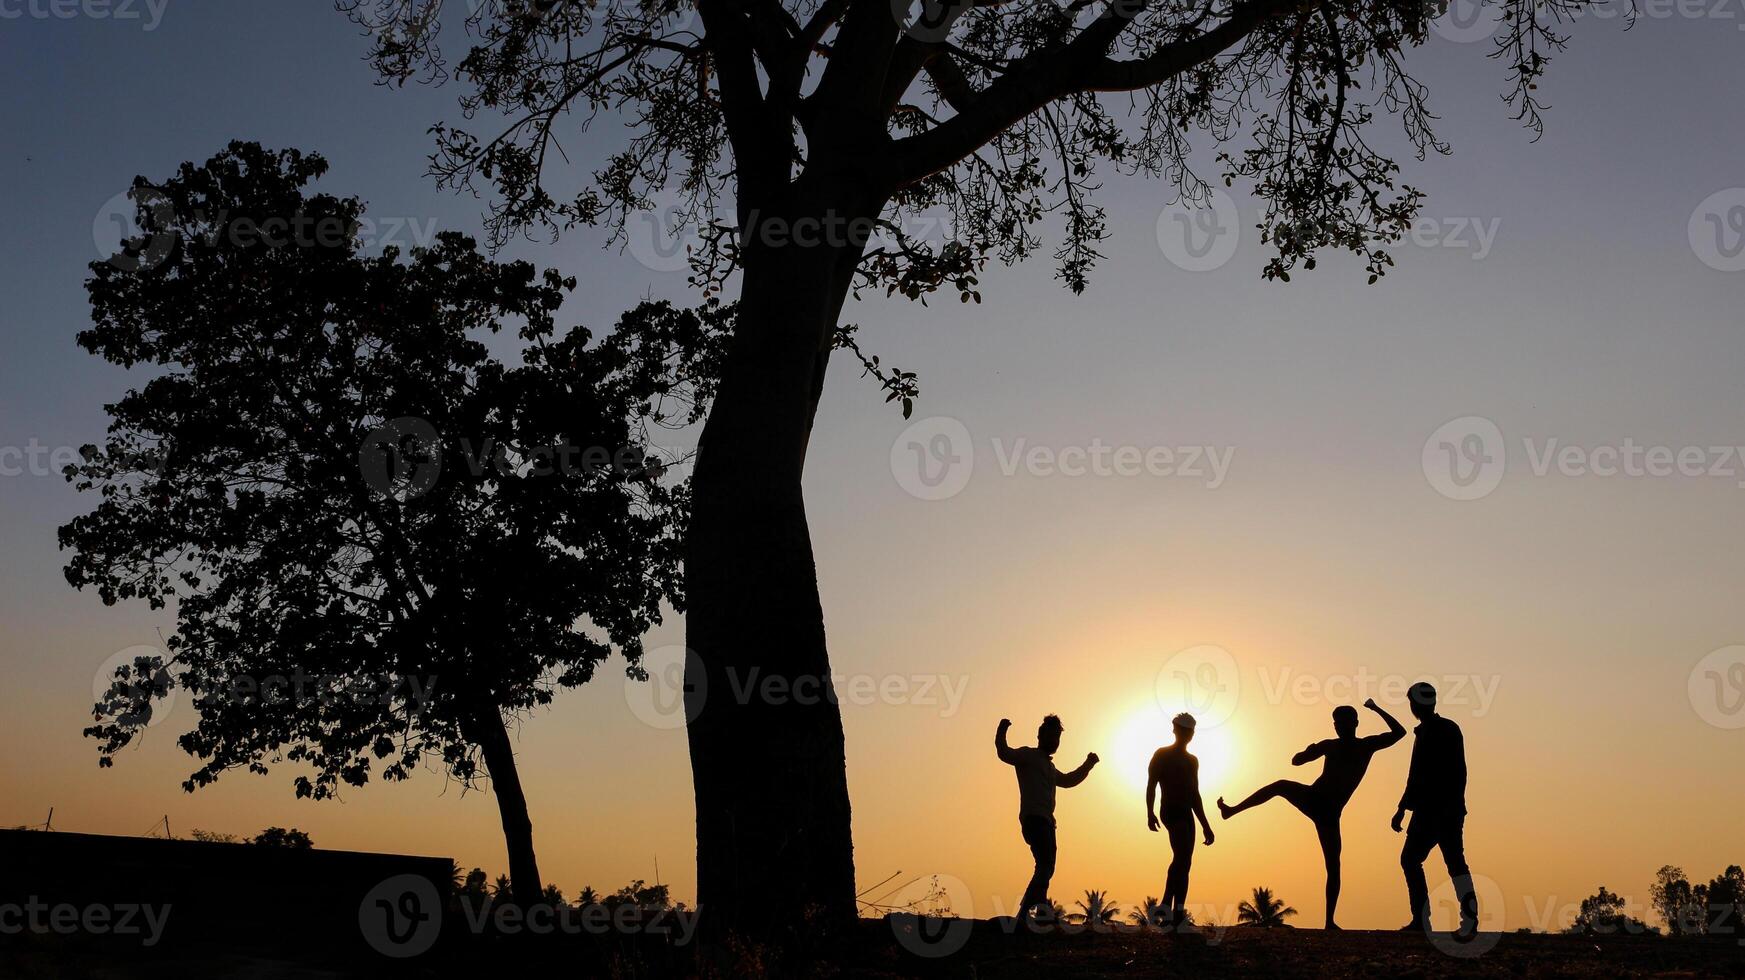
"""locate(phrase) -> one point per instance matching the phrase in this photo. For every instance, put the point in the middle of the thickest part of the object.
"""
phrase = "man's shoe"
(1414, 926)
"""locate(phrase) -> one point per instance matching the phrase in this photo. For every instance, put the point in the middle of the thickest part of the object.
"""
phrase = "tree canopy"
(1001, 112)
(380, 540)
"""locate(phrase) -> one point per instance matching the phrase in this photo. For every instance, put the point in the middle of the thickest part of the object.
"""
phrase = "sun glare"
(1147, 728)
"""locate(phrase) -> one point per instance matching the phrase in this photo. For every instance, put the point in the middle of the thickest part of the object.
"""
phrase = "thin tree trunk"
(774, 850)
(492, 737)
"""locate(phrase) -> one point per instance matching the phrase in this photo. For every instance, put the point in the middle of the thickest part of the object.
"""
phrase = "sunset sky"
(1583, 291)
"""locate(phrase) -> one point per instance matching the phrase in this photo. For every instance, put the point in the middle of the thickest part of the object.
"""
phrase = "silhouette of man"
(1174, 781)
(1037, 780)
(1436, 795)
(1323, 801)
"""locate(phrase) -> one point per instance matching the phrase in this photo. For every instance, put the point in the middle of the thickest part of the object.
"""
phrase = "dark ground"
(981, 950)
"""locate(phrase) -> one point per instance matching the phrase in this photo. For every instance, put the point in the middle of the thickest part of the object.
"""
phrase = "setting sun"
(1146, 728)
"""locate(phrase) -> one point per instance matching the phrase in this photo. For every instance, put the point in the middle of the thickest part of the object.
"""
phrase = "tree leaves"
(320, 620)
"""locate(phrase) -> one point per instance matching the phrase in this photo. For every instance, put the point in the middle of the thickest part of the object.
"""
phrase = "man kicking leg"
(1323, 802)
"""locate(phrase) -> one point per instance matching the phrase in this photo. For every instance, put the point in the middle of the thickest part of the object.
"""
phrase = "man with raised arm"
(1175, 775)
(1323, 801)
(1037, 781)
(1436, 795)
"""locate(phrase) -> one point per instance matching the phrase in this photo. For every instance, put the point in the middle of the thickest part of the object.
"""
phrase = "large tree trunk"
(488, 732)
(774, 850)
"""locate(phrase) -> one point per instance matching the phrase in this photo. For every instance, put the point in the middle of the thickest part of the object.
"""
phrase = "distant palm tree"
(588, 897)
(1264, 910)
(1151, 912)
(1096, 910)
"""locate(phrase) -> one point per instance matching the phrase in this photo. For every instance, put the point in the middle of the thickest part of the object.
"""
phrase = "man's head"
(1345, 721)
(1184, 725)
(1048, 734)
(1423, 700)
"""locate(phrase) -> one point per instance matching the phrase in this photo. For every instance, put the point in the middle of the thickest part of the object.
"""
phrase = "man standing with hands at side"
(1436, 795)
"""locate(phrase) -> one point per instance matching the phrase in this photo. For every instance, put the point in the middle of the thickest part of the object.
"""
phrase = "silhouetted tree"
(639, 894)
(1677, 903)
(213, 837)
(1096, 910)
(374, 557)
(474, 887)
(293, 839)
(1605, 913)
(1150, 912)
(793, 130)
(1263, 910)
(1725, 903)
